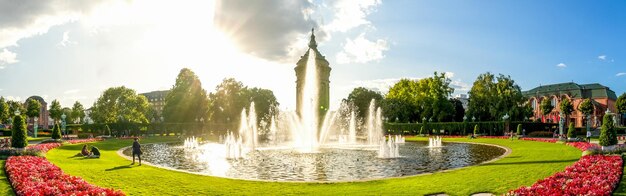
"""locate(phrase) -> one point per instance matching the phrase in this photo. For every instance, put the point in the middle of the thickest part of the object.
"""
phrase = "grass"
(5, 186)
(621, 187)
(528, 162)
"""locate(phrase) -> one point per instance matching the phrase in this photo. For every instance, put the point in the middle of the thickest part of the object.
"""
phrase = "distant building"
(156, 99)
(601, 96)
(44, 115)
(464, 100)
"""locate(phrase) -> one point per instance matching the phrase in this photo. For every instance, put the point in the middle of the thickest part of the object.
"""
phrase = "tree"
(571, 131)
(428, 97)
(227, 102)
(586, 107)
(608, 135)
(56, 132)
(621, 106)
(265, 104)
(566, 107)
(18, 137)
(187, 100)
(120, 103)
(4, 111)
(546, 107)
(55, 110)
(16, 105)
(78, 112)
(69, 119)
(33, 107)
(476, 130)
(362, 97)
(459, 111)
(397, 109)
(492, 97)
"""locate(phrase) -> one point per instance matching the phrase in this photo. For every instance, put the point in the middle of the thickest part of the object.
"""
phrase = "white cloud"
(71, 91)
(7, 57)
(65, 41)
(11, 98)
(351, 14)
(602, 57)
(362, 50)
(561, 65)
(620, 74)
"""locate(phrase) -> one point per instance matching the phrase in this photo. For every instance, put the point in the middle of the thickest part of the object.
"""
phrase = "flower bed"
(31, 175)
(591, 175)
(583, 145)
(550, 140)
(43, 148)
(78, 141)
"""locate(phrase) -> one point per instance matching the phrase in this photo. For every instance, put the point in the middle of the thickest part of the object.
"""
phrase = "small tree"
(18, 138)
(475, 129)
(621, 105)
(608, 136)
(546, 107)
(519, 129)
(56, 132)
(571, 132)
(33, 108)
(566, 107)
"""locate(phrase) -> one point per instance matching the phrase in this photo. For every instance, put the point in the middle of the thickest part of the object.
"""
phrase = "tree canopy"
(492, 97)
(120, 103)
(428, 96)
(566, 107)
(362, 97)
(546, 106)
(187, 100)
(33, 107)
(78, 112)
(55, 110)
(4, 111)
(586, 107)
(621, 104)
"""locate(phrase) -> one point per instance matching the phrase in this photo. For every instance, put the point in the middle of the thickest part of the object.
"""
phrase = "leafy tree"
(19, 138)
(519, 129)
(566, 107)
(187, 100)
(608, 135)
(546, 107)
(265, 103)
(586, 107)
(621, 105)
(492, 97)
(571, 131)
(117, 102)
(398, 109)
(33, 108)
(362, 97)
(227, 102)
(78, 112)
(152, 114)
(55, 110)
(459, 111)
(16, 105)
(428, 97)
(68, 117)
(4, 111)
(56, 132)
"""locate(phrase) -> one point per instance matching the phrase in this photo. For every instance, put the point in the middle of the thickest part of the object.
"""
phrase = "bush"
(571, 131)
(519, 129)
(541, 134)
(56, 132)
(19, 138)
(608, 136)
(475, 129)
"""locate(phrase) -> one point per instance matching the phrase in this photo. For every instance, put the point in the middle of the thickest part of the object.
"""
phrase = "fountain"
(434, 142)
(314, 144)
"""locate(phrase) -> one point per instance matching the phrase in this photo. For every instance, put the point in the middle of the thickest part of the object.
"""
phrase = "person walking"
(588, 136)
(136, 151)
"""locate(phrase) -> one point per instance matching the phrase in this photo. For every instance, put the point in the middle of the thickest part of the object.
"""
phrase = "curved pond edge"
(507, 152)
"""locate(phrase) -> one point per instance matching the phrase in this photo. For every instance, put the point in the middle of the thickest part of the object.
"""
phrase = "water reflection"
(330, 164)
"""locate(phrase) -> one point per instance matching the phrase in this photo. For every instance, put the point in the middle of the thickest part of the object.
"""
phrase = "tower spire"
(312, 42)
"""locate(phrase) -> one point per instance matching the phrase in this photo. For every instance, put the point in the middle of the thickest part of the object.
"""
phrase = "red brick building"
(601, 96)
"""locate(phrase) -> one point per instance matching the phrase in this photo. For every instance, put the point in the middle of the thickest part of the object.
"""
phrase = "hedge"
(465, 128)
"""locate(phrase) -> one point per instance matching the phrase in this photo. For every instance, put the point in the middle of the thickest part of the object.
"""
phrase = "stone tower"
(323, 73)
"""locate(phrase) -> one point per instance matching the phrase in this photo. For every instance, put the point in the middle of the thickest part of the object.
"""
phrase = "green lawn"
(528, 162)
(5, 186)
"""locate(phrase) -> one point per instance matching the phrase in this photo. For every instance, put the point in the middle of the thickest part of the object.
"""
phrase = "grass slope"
(5, 186)
(528, 162)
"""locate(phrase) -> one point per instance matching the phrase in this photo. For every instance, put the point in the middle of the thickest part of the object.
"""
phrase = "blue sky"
(71, 52)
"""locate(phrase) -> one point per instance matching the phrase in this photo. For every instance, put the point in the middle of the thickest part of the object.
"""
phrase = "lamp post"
(63, 116)
(561, 124)
(505, 118)
(35, 124)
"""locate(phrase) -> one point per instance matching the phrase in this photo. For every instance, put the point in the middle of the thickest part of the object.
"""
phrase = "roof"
(155, 94)
(38, 98)
(574, 90)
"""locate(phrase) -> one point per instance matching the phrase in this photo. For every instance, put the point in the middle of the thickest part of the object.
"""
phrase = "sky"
(73, 50)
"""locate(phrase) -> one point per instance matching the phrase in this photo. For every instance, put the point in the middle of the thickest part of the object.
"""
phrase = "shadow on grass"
(119, 167)
(532, 162)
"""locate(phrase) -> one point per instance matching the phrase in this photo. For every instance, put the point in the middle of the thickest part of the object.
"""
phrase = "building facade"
(156, 99)
(601, 96)
(323, 77)
(43, 120)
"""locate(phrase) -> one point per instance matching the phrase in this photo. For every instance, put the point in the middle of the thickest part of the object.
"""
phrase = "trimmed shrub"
(571, 131)
(519, 129)
(19, 138)
(608, 136)
(476, 129)
(56, 132)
